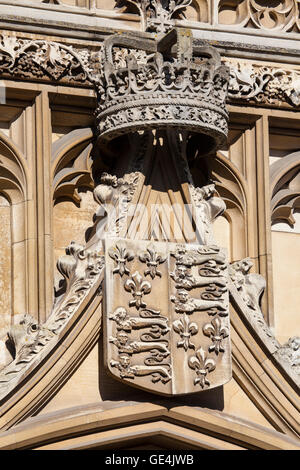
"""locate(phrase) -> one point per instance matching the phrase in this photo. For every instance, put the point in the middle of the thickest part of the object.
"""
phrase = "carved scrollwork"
(41, 60)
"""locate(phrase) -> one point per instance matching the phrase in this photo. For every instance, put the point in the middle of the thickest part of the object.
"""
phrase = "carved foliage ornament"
(161, 334)
(43, 60)
(263, 84)
(50, 61)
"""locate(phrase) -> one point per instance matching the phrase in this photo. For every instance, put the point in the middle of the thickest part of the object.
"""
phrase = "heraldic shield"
(166, 326)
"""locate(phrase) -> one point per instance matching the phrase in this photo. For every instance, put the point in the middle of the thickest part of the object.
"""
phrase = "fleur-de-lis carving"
(152, 259)
(121, 255)
(217, 333)
(202, 365)
(138, 287)
(185, 328)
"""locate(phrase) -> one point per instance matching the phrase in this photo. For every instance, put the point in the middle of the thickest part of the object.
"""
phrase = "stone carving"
(185, 328)
(143, 334)
(157, 324)
(157, 15)
(250, 285)
(120, 254)
(114, 196)
(127, 371)
(217, 333)
(27, 337)
(262, 84)
(285, 189)
(124, 345)
(141, 328)
(290, 353)
(207, 209)
(51, 61)
(186, 304)
(153, 90)
(202, 365)
(247, 293)
(138, 288)
(279, 16)
(152, 260)
(81, 269)
(212, 277)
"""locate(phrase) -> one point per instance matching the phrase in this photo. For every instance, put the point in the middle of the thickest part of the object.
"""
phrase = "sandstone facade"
(108, 109)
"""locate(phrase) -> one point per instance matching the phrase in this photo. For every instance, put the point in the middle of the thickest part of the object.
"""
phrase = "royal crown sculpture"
(162, 81)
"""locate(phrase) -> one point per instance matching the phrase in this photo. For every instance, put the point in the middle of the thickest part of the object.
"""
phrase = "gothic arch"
(232, 188)
(285, 188)
(13, 185)
(71, 164)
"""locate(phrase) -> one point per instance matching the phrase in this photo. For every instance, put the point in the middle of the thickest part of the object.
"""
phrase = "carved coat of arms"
(166, 327)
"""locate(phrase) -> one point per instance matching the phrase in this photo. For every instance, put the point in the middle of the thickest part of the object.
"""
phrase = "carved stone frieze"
(44, 60)
(207, 208)
(261, 84)
(143, 329)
